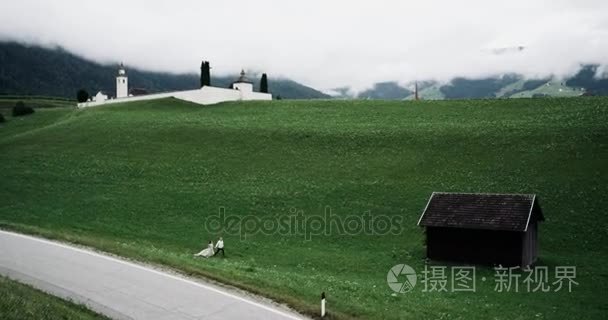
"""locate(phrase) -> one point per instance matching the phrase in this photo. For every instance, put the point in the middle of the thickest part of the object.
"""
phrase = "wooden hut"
(491, 229)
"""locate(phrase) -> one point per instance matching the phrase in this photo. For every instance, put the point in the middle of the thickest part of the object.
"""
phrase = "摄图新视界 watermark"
(297, 223)
(402, 278)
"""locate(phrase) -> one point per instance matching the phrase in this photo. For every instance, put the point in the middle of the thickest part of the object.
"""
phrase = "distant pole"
(322, 304)
(416, 92)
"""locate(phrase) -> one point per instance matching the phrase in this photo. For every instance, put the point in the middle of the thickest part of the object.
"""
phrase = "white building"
(242, 83)
(122, 83)
(242, 89)
(100, 97)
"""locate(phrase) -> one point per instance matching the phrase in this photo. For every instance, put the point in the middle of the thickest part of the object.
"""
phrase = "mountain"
(585, 81)
(289, 89)
(462, 88)
(385, 90)
(35, 70)
(587, 78)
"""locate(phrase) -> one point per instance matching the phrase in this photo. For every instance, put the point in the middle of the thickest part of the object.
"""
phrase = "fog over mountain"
(325, 44)
(34, 70)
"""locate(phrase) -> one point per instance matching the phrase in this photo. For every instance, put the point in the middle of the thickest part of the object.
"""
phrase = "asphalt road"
(122, 289)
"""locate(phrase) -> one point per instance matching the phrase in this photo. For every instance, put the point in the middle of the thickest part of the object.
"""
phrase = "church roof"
(242, 78)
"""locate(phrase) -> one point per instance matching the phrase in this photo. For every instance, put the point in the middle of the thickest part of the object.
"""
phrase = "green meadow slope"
(140, 179)
(22, 302)
(8, 102)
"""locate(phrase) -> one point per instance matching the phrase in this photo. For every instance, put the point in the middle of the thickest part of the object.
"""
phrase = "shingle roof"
(509, 212)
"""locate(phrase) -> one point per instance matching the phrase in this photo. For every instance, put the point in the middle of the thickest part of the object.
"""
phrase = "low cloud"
(325, 44)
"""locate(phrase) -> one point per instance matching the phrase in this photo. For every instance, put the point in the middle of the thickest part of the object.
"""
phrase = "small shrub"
(82, 95)
(2, 118)
(20, 109)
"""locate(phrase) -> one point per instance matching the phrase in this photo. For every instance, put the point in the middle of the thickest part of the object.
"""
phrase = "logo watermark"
(297, 223)
(402, 278)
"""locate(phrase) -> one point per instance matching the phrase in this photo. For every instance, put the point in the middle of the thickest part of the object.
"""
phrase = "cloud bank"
(324, 44)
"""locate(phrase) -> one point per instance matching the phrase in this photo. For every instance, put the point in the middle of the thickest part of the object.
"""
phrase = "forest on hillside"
(35, 70)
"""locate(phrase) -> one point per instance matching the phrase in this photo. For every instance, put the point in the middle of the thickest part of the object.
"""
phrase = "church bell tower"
(122, 83)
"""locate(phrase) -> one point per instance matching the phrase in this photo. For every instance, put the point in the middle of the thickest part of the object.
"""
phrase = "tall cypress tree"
(264, 83)
(208, 75)
(203, 81)
(205, 74)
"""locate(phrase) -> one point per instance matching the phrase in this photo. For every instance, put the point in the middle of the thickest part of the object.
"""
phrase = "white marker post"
(322, 304)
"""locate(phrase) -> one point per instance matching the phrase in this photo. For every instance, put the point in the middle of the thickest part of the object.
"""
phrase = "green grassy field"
(140, 179)
(21, 302)
(7, 102)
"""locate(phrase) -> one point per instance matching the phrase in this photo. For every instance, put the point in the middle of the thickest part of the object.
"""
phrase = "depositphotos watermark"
(402, 278)
(297, 223)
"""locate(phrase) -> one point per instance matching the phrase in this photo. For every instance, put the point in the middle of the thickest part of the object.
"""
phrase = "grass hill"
(34, 70)
(141, 179)
(551, 88)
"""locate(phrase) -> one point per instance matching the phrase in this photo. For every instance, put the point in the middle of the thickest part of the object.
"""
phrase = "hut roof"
(509, 212)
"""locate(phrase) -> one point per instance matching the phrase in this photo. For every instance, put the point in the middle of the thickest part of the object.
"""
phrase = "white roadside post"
(322, 304)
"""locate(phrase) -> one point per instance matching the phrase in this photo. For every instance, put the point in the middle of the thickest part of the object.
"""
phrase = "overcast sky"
(323, 43)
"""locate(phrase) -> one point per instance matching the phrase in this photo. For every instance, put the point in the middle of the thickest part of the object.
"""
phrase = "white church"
(242, 89)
